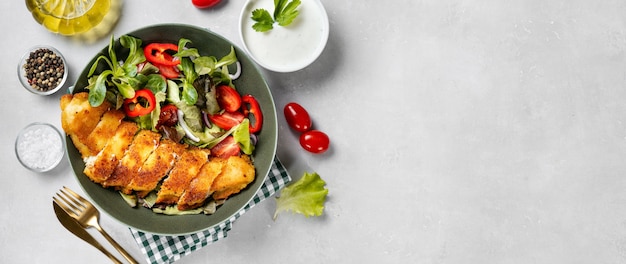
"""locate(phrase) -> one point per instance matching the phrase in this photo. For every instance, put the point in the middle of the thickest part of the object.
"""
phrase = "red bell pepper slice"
(251, 108)
(142, 104)
(161, 54)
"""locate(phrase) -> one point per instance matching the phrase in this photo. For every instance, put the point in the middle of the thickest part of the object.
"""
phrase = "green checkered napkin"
(167, 249)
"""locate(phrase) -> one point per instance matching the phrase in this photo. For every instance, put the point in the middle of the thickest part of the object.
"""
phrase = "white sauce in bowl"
(289, 48)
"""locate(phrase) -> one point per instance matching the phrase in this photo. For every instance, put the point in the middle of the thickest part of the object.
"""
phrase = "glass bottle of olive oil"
(68, 17)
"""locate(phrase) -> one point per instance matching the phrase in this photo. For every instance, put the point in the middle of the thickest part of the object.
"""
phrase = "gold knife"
(70, 224)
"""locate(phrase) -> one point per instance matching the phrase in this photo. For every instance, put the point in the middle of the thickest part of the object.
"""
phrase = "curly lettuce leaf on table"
(305, 196)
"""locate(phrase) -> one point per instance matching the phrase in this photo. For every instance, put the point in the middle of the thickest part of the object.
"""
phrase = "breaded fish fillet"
(200, 187)
(104, 130)
(118, 154)
(77, 116)
(78, 119)
(144, 143)
(187, 167)
(100, 167)
(236, 174)
(156, 166)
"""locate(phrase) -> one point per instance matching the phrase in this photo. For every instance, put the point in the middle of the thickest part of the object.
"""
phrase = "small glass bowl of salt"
(39, 147)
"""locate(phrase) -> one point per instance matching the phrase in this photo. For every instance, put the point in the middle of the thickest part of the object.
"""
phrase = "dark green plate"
(251, 81)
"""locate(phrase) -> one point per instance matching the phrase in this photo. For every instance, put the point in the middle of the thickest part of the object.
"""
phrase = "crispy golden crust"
(105, 162)
(65, 100)
(118, 154)
(144, 143)
(235, 176)
(78, 117)
(80, 146)
(181, 175)
(200, 187)
(156, 166)
(102, 133)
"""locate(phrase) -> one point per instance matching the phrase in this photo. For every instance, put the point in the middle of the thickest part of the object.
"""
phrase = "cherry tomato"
(169, 72)
(205, 3)
(227, 120)
(168, 116)
(228, 98)
(297, 117)
(314, 141)
(226, 148)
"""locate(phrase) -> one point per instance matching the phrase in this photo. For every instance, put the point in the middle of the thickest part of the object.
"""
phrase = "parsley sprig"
(285, 12)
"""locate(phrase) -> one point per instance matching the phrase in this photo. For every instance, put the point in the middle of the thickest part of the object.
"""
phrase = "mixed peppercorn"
(44, 69)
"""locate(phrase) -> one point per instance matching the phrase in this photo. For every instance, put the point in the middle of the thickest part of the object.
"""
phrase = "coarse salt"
(39, 147)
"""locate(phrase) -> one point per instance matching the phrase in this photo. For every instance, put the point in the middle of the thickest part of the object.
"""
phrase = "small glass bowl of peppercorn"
(42, 70)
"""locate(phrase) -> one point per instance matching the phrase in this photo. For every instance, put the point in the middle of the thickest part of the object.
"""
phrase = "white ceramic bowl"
(21, 71)
(290, 48)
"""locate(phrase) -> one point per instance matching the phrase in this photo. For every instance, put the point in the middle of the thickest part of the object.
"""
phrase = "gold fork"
(73, 226)
(86, 215)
